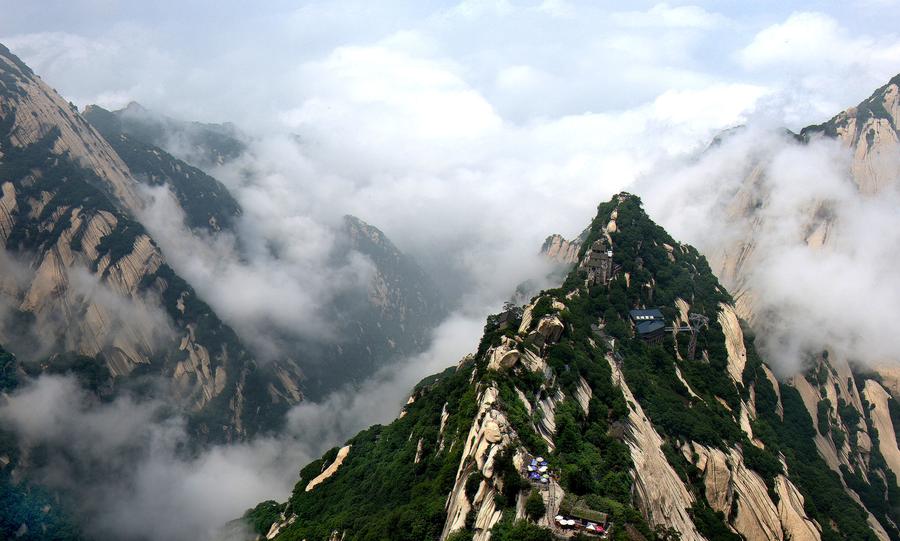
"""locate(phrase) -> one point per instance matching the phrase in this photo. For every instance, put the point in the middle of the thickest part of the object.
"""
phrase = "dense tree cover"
(206, 144)
(119, 242)
(657, 280)
(379, 491)
(519, 530)
(534, 505)
(661, 270)
(9, 371)
(650, 373)
(261, 517)
(880, 495)
(207, 203)
(590, 455)
(825, 499)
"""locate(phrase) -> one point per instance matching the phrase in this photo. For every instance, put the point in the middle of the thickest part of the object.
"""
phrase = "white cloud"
(805, 298)
(124, 461)
(481, 8)
(809, 40)
(818, 66)
(467, 134)
(406, 97)
(665, 16)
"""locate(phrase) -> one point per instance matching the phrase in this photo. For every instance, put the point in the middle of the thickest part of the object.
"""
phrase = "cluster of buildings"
(598, 262)
(575, 515)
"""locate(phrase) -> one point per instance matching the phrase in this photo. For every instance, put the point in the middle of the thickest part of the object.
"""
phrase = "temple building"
(649, 325)
(599, 263)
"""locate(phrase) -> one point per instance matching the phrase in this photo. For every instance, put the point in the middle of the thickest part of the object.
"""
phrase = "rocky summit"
(571, 417)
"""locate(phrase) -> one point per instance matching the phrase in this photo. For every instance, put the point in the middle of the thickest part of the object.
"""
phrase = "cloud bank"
(822, 260)
(128, 467)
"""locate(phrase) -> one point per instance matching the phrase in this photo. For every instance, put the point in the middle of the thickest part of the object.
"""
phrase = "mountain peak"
(15, 61)
(135, 107)
(871, 119)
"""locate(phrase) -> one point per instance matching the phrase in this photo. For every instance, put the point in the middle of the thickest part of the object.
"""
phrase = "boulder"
(550, 328)
(503, 357)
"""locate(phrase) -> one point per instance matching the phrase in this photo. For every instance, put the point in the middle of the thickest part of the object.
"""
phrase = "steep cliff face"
(833, 395)
(566, 252)
(393, 318)
(83, 277)
(870, 130)
(32, 111)
(560, 250)
(689, 432)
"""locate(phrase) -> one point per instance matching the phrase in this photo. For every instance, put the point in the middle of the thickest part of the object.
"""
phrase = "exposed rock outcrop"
(738, 492)
(38, 110)
(503, 357)
(558, 249)
(880, 414)
(734, 342)
(659, 492)
(331, 469)
(490, 432)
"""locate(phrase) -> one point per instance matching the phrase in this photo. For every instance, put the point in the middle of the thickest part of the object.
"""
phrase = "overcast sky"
(522, 61)
(467, 131)
(565, 101)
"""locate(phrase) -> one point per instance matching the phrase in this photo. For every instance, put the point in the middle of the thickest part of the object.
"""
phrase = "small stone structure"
(598, 262)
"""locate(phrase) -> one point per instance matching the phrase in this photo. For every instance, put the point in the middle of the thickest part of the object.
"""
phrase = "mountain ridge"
(708, 446)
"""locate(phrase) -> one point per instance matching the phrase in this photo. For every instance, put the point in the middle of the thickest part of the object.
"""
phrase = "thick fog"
(114, 317)
(128, 465)
(821, 271)
(467, 132)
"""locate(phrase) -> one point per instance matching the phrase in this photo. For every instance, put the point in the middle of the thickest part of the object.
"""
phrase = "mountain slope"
(707, 444)
(204, 145)
(206, 202)
(757, 234)
(389, 321)
(86, 290)
(839, 398)
(871, 130)
(33, 114)
(83, 277)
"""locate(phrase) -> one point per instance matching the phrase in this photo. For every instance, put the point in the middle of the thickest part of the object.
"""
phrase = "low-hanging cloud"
(123, 467)
(105, 318)
(126, 464)
(277, 274)
(378, 400)
(821, 270)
